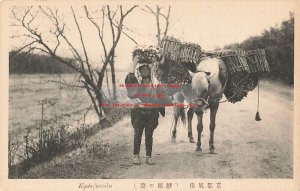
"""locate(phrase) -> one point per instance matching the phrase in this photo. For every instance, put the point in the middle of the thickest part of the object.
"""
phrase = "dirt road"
(245, 148)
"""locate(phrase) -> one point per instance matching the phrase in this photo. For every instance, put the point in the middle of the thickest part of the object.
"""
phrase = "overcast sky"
(210, 24)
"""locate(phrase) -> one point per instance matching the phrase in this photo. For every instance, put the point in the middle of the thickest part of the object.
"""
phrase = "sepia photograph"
(138, 95)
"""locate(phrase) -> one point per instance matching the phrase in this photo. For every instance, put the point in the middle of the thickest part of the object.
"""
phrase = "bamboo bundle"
(235, 61)
(171, 73)
(177, 75)
(244, 69)
(171, 48)
(257, 61)
(239, 85)
(161, 71)
(178, 58)
(190, 53)
(176, 51)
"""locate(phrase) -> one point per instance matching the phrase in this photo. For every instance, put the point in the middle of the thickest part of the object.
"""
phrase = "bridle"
(208, 98)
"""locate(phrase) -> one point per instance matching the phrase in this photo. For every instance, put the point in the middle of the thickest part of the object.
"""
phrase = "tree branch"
(157, 15)
(100, 32)
(132, 39)
(115, 42)
(82, 43)
(167, 21)
(22, 48)
(65, 84)
(150, 10)
(131, 9)
(111, 23)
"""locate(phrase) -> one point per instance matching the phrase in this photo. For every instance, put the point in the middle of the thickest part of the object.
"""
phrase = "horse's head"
(200, 88)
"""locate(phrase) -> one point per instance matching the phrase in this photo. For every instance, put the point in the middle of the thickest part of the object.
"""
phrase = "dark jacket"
(137, 90)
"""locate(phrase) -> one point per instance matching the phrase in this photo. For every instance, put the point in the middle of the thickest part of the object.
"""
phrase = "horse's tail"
(182, 115)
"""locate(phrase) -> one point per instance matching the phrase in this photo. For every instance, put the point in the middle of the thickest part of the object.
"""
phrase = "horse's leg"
(213, 112)
(223, 73)
(190, 115)
(176, 111)
(178, 98)
(199, 129)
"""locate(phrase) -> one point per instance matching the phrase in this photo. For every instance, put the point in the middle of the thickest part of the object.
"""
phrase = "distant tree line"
(279, 45)
(30, 63)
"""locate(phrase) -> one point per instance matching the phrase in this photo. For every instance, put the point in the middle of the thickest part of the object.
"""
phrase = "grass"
(97, 153)
(68, 108)
(26, 90)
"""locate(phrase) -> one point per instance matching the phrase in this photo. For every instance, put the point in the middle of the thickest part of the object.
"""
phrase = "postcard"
(150, 95)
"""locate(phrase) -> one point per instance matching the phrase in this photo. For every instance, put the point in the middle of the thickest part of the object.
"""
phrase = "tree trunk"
(97, 107)
(107, 84)
(113, 79)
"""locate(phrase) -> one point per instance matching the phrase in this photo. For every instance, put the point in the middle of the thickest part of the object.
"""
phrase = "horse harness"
(208, 98)
(217, 99)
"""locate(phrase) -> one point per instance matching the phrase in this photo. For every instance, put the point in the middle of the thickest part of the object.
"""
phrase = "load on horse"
(204, 78)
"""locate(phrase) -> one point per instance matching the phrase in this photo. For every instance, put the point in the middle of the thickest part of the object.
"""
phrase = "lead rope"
(257, 116)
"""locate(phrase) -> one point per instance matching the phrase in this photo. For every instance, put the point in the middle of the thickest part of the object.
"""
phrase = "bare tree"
(114, 24)
(28, 18)
(161, 31)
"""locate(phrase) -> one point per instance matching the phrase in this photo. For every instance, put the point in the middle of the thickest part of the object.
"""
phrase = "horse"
(204, 92)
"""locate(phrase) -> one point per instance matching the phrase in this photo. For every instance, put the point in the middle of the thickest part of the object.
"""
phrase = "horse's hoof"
(212, 150)
(198, 153)
(192, 140)
(173, 139)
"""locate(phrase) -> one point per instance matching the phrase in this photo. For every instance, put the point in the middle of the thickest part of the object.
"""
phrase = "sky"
(210, 24)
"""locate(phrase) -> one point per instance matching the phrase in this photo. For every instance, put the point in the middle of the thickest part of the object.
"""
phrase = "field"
(66, 106)
(25, 92)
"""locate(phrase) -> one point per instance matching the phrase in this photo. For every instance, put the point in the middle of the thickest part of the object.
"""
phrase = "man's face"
(145, 71)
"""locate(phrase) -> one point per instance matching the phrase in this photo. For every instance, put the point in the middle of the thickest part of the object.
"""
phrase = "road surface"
(245, 148)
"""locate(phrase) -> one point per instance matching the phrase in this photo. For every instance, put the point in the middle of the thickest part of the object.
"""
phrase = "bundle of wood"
(257, 61)
(171, 73)
(147, 54)
(182, 52)
(239, 85)
(244, 70)
(178, 58)
(171, 48)
(177, 75)
(235, 61)
(190, 53)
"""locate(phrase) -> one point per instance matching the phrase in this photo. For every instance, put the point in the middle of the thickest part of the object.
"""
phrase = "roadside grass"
(67, 123)
(88, 156)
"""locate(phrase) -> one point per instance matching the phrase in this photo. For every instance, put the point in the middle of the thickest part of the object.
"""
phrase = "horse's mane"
(199, 82)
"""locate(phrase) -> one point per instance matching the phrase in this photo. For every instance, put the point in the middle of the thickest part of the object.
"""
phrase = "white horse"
(205, 91)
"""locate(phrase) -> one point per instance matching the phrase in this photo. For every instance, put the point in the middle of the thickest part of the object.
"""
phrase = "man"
(143, 117)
